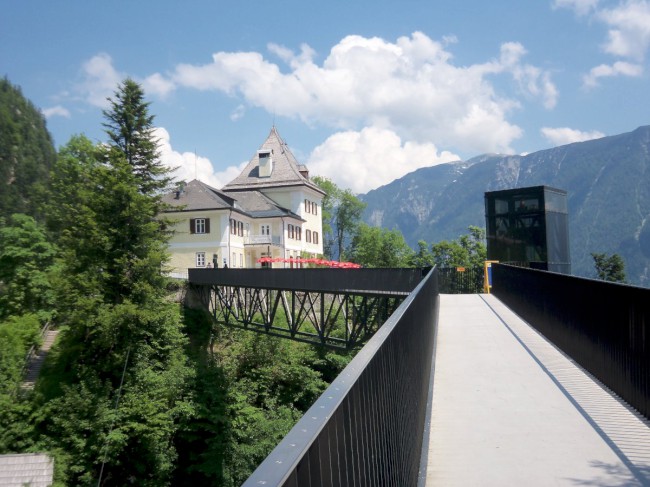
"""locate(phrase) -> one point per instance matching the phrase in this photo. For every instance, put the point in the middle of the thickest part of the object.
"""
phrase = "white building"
(271, 209)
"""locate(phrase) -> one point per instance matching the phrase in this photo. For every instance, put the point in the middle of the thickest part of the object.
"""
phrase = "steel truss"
(343, 320)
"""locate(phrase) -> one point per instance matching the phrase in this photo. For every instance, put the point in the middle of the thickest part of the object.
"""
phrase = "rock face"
(608, 185)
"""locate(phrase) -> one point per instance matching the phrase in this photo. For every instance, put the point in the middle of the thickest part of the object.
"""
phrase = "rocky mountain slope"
(608, 185)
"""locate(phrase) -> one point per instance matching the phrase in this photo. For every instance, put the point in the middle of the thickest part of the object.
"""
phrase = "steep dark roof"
(258, 205)
(286, 170)
(198, 196)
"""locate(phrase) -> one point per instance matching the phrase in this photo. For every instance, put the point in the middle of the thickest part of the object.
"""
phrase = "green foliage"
(609, 267)
(26, 152)
(468, 250)
(132, 389)
(130, 129)
(379, 247)
(342, 212)
(17, 335)
(423, 257)
(103, 212)
(26, 262)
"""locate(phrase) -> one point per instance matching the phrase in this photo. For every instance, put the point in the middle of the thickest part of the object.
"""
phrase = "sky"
(362, 91)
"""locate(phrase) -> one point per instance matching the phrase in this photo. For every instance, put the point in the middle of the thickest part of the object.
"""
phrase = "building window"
(311, 207)
(298, 233)
(314, 237)
(265, 229)
(308, 236)
(200, 259)
(241, 260)
(290, 231)
(234, 259)
(199, 225)
(240, 229)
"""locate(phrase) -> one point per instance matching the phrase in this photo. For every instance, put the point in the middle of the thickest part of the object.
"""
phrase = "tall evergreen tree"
(130, 129)
(124, 342)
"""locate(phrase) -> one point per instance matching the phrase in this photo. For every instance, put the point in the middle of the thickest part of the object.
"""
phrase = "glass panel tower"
(529, 226)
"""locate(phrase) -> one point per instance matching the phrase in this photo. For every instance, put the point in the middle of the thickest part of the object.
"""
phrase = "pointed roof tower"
(272, 166)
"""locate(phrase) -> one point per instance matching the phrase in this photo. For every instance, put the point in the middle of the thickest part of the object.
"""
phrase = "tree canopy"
(130, 129)
(26, 153)
(467, 250)
(379, 247)
(342, 212)
(609, 267)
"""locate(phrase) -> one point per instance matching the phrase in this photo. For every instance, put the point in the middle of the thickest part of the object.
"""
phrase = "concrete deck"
(509, 409)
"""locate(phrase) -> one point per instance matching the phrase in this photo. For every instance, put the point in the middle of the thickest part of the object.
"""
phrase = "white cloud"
(410, 86)
(189, 166)
(100, 80)
(566, 135)
(531, 79)
(156, 84)
(371, 158)
(580, 7)
(238, 113)
(629, 33)
(56, 111)
(607, 71)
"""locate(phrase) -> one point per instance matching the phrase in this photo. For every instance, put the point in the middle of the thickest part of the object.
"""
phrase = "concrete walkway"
(38, 359)
(509, 409)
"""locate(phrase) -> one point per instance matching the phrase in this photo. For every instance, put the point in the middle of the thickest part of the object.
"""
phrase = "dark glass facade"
(529, 226)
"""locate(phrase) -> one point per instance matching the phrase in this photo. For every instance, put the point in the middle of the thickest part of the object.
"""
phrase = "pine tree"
(104, 209)
(130, 129)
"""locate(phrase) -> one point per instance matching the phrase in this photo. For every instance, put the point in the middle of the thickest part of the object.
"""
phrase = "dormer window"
(266, 163)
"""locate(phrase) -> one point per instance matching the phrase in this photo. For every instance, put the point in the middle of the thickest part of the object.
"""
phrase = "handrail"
(367, 428)
(372, 281)
(603, 326)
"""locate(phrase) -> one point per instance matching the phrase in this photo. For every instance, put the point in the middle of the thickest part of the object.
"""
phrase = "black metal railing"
(461, 280)
(603, 326)
(381, 281)
(367, 428)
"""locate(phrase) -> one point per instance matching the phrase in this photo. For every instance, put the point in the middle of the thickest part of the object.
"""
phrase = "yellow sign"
(460, 269)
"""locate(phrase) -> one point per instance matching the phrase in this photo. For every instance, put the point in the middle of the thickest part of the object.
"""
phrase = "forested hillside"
(137, 390)
(26, 152)
(608, 185)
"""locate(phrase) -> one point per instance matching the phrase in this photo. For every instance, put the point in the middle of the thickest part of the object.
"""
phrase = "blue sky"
(362, 91)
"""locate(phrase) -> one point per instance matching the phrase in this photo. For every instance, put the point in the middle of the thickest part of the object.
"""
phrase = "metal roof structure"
(196, 195)
(33, 469)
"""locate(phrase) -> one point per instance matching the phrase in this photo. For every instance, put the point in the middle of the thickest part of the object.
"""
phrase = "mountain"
(607, 181)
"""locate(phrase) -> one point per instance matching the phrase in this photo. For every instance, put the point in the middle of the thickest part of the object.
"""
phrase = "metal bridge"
(544, 382)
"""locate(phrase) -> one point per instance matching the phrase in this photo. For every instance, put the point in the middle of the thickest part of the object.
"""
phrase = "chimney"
(265, 163)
